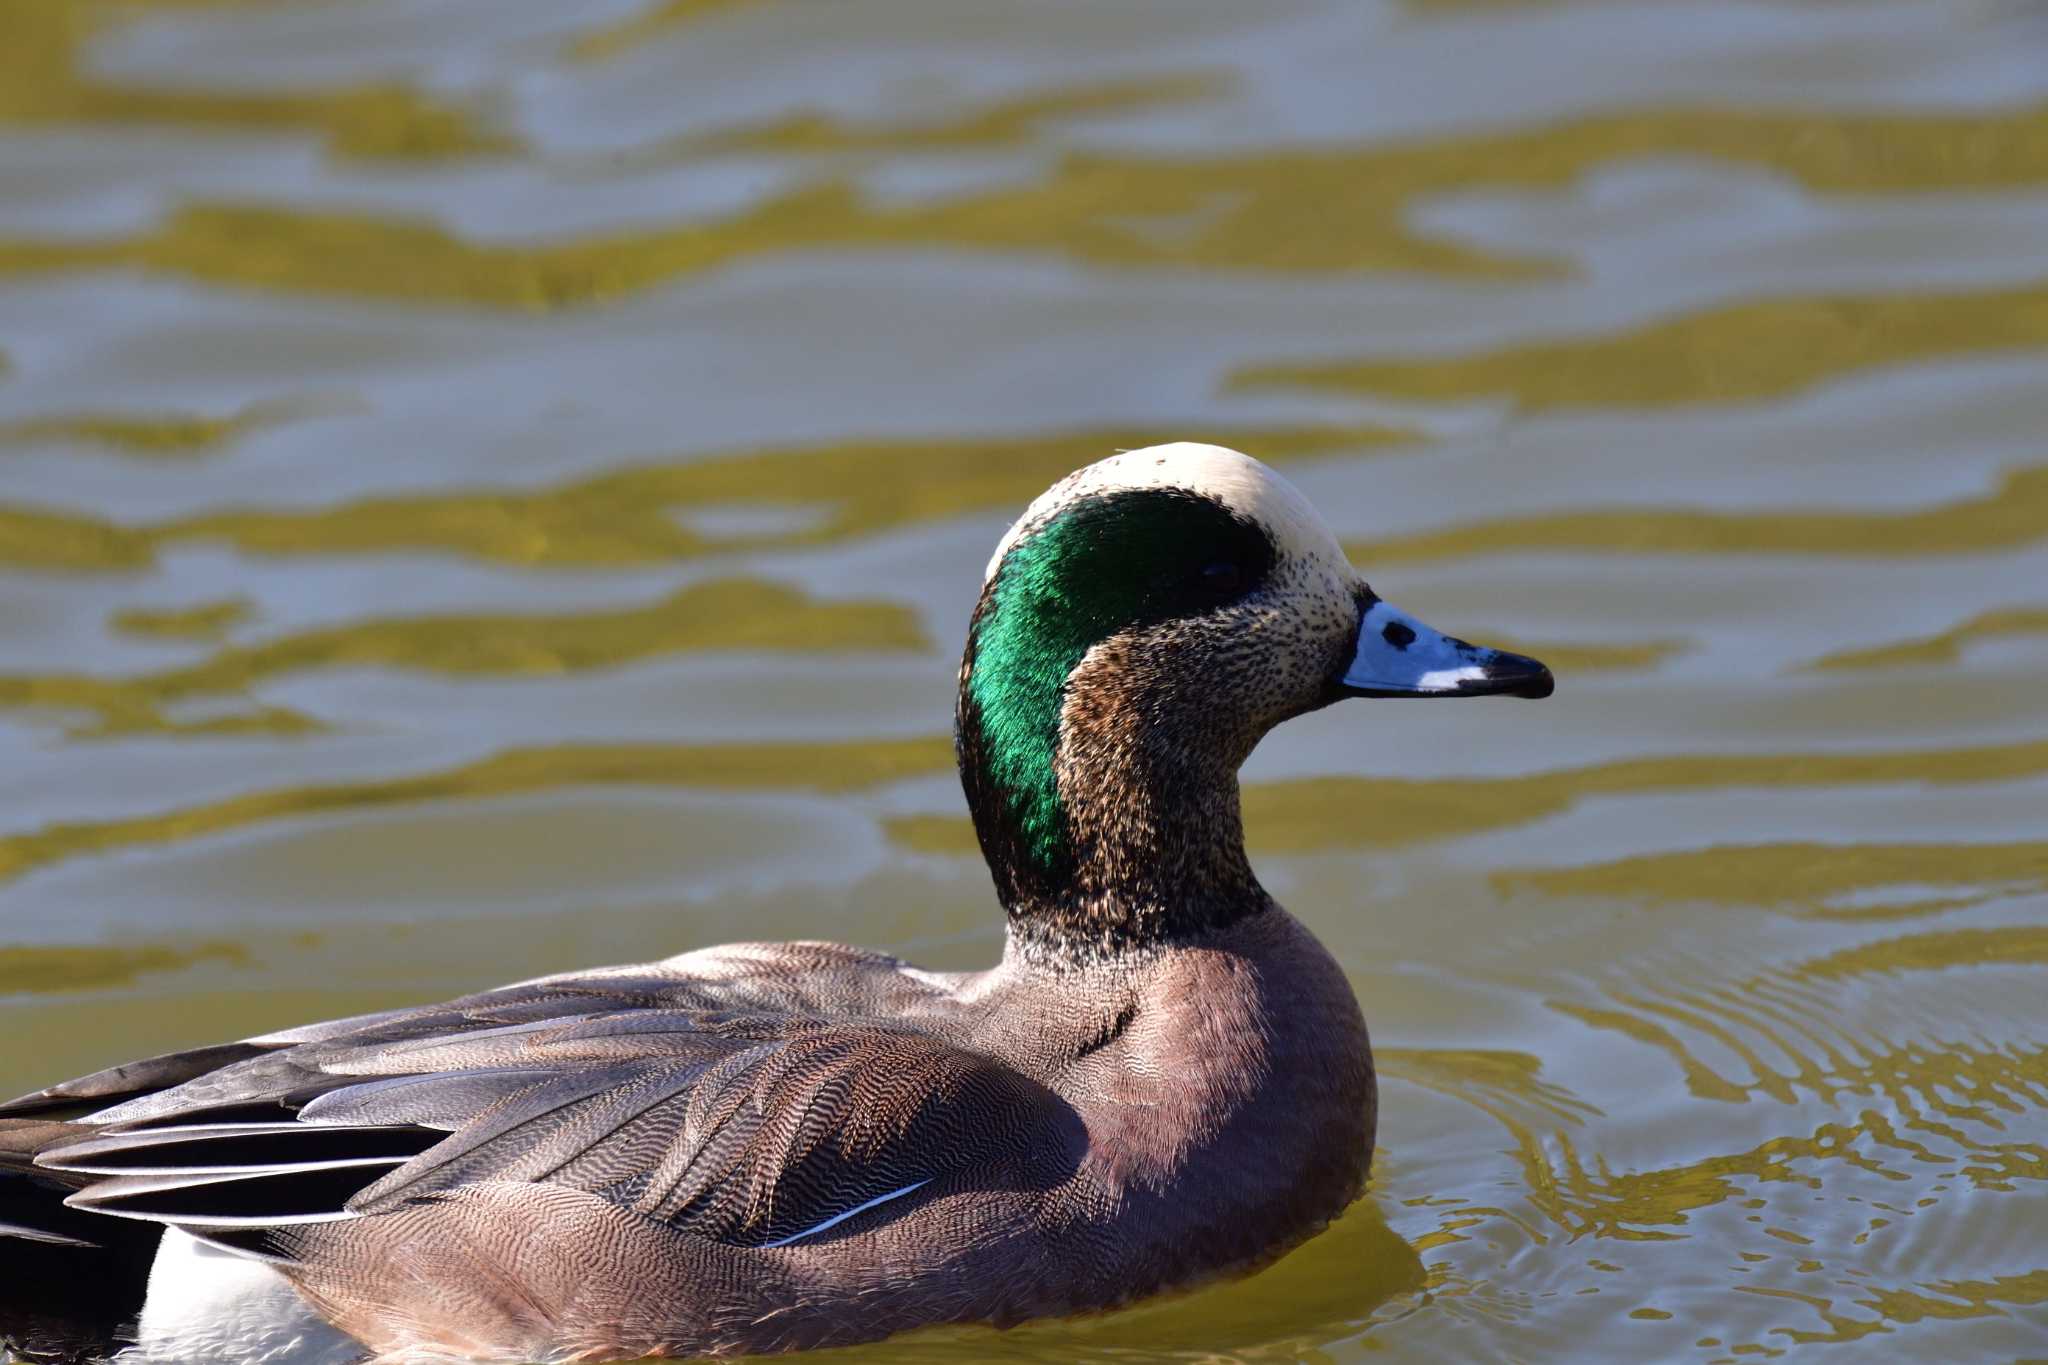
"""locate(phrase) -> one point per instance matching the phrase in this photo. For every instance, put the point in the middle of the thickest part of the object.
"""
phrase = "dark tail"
(71, 1283)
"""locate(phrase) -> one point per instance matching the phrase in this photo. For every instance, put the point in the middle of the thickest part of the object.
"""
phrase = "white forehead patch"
(1245, 486)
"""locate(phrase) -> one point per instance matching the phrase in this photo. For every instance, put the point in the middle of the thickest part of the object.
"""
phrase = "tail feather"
(71, 1283)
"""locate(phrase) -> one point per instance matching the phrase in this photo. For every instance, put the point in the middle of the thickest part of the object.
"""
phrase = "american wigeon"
(766, 1147)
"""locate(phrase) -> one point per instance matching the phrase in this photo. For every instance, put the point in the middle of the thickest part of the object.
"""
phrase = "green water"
(487, 487)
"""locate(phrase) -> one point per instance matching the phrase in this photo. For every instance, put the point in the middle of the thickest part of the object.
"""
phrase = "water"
(492, 487)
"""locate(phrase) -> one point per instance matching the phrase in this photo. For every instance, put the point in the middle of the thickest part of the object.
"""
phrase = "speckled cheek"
(1307, 626)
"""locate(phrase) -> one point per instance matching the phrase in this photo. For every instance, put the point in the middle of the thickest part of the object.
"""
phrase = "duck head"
(1144, 623)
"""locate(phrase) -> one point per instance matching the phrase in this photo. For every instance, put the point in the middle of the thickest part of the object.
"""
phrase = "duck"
(768, 1147)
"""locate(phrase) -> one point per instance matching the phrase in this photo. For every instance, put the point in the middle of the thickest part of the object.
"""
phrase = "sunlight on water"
(45, 80)
(2016, 514)
(634, 515)
(490, 488)
(1730, 354)
(734, 614)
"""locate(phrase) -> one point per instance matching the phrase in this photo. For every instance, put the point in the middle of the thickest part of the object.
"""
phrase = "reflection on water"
(41, 969)
(638, 514)
(1735, 353)
(491, 487)
(45, 79)
(848, 765)
(2016, 514)
(1820, 879)
(1946, 647)
(734, 614)
(168, 435)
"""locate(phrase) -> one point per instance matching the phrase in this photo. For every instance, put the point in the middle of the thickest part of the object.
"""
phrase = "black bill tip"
(1511, 675)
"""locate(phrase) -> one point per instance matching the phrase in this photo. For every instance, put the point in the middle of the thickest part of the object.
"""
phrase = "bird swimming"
(777, 1146)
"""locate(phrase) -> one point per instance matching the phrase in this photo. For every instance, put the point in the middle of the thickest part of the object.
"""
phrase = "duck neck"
(1130, 837)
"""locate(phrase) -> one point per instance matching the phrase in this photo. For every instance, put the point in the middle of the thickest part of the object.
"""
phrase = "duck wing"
(730, 1106)
(819, 978)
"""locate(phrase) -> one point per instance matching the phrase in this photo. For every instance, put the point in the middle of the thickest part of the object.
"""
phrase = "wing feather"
(738, 1105)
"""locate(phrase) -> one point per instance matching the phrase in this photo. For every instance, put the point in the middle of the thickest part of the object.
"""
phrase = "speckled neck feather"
(1107, 813)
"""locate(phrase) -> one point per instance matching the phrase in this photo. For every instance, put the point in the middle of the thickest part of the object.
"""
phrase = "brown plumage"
(777, 1146)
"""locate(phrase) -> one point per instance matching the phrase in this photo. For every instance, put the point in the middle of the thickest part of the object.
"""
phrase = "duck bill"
(1399, 656)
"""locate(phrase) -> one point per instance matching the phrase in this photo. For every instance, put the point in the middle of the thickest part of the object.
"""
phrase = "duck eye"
(1222, 576)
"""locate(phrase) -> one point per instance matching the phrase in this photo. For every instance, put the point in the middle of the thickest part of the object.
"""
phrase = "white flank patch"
(207, 1304)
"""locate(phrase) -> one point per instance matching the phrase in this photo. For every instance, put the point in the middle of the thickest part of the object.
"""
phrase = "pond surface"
(492, 487)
